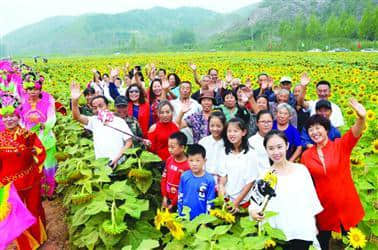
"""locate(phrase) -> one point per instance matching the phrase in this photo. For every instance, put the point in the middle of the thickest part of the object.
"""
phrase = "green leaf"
(204, 233)
(200, 220)
(174, 245)
(132, 151)
(143, 184)
(96, 206)
(148, 244)
(257, 242)
(90, 239)
(148, 157)
(134, 207)
(269, 214)
(129, 163)
(219, 230)
(120, 190)
(230, 242)
(127, 248)
(274, 232)
(80, 217)
(247, 223)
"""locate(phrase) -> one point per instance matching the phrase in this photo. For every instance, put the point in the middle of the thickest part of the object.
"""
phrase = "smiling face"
(33, 92)
(265, 124)
(235, 134)
(98, 104)
(276, 148)
(156, 88)
(134, 94)
(230, 101)
(283, 98)
(283, 116)
(262, 79)
(216, 127)
(323, 92)
(165, 114)
(318, 134)
(10, 121)
(262, 103)
(214, 75)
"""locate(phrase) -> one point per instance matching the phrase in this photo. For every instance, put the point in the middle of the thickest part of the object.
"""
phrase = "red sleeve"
(184, 167)
(151, 136)
(348, 141)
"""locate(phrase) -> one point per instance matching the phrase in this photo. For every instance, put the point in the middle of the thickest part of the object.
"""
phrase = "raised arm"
(75, 95)
(359, 124)
(195, 75)
(305, 80)
(185, 108)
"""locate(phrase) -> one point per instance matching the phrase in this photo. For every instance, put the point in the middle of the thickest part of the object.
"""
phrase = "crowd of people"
(217, 141)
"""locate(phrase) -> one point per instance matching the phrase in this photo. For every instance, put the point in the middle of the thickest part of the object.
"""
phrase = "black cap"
(120, 101)
(323, 104)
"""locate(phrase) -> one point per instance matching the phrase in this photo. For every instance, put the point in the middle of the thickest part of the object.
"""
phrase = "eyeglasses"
(266, 122)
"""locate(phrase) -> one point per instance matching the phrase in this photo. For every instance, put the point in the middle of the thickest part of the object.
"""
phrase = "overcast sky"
(17, 13)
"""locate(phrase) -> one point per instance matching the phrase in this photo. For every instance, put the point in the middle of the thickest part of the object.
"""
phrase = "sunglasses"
(134, 91)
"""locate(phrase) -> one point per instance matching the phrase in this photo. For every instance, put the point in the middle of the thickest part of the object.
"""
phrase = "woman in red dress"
(21, 160)
(329, 164)
(159, 132)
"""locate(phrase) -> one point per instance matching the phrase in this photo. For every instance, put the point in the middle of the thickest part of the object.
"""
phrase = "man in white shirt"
(108, 141)
(323, 90)
(185, 92)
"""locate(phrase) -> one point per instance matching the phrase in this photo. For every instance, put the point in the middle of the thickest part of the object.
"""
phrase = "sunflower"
(223, 215)
(362, 87)
(269, 243)
(370, 115)
(375, 146)
(356, 238)
(176, 229)
(162, 217)
(336, 236)
(271, 178)
(374, 98)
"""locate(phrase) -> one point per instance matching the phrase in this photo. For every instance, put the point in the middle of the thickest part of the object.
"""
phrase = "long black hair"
(142, 98)
(244, 143)
(152, 95)
(218, 114)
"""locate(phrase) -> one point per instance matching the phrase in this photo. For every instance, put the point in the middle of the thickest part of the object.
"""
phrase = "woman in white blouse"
(264, 121)
(296, 201)
(214, 143)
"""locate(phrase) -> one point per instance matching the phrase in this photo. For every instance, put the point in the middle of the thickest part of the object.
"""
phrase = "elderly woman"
(283, 96)
(282, 123)
(21, 161)
(329, 164)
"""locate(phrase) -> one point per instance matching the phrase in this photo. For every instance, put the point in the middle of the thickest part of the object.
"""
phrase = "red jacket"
(171, 178)
(159, 138)
(334, 184)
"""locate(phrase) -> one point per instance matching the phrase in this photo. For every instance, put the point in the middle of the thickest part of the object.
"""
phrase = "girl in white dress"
(214, 143)
(296, 201)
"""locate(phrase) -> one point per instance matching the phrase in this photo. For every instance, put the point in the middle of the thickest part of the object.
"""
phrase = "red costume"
(143, 115)
(171, 179)
(21, 160)
(334, 184)
(159, 138)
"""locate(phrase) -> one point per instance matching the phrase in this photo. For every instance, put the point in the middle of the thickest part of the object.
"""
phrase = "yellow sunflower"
(162, 217)
(356, 238)
(375, 146)
(176, 229)
(269, 243)
(271, 178)
(223, 215)
(370, 115)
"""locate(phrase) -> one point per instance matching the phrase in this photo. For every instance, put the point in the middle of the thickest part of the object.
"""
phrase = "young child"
(238, 167)
(213, 143)
(175, 165)
(197, 187)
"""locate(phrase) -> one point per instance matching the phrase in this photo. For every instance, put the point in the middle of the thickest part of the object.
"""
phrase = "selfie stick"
(123, 132)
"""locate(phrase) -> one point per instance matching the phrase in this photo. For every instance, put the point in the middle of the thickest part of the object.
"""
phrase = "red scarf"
(143, 116)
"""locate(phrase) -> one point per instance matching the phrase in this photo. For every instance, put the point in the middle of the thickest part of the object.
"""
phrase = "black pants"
(325, 236)
(297, 245)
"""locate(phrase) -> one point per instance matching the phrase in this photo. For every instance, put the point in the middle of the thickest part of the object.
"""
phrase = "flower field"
(119, 210)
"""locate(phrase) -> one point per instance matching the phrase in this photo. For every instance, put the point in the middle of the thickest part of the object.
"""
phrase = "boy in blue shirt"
(197, 187)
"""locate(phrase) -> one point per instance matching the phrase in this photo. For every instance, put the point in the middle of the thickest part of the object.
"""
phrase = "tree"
(350, 27)
(333, 28)
(368, 23)
(299, 31)
(314, 28)
(183, 36)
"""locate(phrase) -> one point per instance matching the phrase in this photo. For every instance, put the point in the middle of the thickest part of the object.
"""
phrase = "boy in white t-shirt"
(108, 141)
